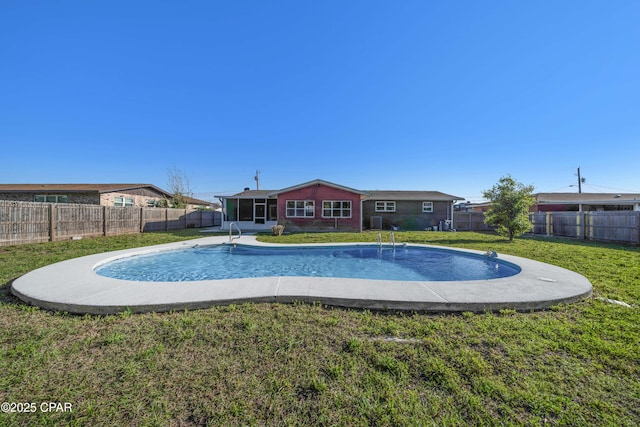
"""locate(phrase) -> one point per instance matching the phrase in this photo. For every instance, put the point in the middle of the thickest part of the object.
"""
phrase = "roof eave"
(318, 182)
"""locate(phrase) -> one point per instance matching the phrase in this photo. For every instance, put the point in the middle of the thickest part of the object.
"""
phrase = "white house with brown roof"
(141, 195)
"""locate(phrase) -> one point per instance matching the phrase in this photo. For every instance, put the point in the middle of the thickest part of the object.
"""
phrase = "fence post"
(579, 226)
(166, 219)
(142, 219)
(104, 220)
(52, 222)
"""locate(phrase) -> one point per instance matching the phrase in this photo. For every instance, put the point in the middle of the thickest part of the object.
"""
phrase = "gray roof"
(435, 196)
(75, 188)
(250, 194)
(88, 188)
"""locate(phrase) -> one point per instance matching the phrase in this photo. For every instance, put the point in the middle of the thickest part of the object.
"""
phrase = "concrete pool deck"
(74, 287)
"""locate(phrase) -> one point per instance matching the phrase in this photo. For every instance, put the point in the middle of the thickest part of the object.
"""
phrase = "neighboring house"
(141, 195)
(554, 202)
(477, 207)
(320, 205)
(563, 202)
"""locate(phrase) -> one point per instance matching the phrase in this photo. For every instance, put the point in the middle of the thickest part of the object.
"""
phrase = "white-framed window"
(122, 201)
(50, 198)
(336, 208)
(427, 207)
(300, 209)
(385, 206)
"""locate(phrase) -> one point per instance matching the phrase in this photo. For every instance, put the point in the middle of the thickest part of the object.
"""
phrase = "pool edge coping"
(72, 286)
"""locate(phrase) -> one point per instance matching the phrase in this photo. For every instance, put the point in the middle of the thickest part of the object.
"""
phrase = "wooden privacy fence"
(606, 226)
(24, 222)
(470, 221)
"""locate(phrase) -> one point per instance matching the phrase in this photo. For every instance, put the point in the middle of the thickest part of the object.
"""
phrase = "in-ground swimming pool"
(74, 286)
(355, 261)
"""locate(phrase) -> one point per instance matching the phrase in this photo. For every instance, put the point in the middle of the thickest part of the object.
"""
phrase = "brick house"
(141, 195)
(320, 205)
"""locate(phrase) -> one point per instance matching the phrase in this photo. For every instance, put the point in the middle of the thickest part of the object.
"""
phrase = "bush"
(277, 230)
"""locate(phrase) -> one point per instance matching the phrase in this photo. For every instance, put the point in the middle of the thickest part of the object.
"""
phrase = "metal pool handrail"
(231, 238)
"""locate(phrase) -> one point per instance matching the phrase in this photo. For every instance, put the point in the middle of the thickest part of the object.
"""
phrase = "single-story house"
(554, 202)
(141, 195)
(568, 202)
(320, 205)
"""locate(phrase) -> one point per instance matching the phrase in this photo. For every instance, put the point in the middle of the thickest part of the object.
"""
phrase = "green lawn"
(301, 364)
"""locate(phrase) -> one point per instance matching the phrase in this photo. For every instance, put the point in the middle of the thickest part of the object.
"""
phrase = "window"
(336, 208)
(245, 210)
(260, 210)
(122, 201)
(427, 207)
(51, 199)
(300, 208)
(382, 206)
(272, 210)
(232, 212)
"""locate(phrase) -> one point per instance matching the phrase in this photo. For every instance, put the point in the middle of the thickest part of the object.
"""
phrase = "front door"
(260, 213)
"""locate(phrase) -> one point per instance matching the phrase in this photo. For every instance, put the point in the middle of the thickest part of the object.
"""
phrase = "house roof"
(250, 194)
(373, 194)
(194, 201)
(74, 188)
(435, 196)
(318, 182)
(87, 188)
(587, 198)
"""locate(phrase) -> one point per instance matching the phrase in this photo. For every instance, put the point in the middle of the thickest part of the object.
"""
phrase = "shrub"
(277, 230)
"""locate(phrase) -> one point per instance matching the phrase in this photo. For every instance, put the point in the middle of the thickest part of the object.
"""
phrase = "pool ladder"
(232, 238)
(392, 239)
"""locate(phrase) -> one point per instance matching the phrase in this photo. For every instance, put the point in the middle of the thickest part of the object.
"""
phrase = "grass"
(308, 364)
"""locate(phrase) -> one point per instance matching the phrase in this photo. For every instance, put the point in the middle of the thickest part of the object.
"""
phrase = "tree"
(509, 208)
(179, 186)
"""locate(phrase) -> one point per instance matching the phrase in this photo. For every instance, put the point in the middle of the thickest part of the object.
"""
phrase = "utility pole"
(579, 181)
(257, 179)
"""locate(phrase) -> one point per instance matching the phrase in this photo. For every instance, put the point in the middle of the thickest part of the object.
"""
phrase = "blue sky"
(409, 95)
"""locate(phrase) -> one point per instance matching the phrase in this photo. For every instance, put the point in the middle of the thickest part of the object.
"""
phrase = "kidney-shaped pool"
(203, 273)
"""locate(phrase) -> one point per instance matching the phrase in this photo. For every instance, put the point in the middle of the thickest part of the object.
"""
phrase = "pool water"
(363, 262)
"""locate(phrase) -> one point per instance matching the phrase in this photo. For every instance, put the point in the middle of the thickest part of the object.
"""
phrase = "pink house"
(320, 206)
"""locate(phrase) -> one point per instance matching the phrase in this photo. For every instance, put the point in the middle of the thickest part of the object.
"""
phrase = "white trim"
(307, 204)
(388, 205)
(341, 208)
(124, 202)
